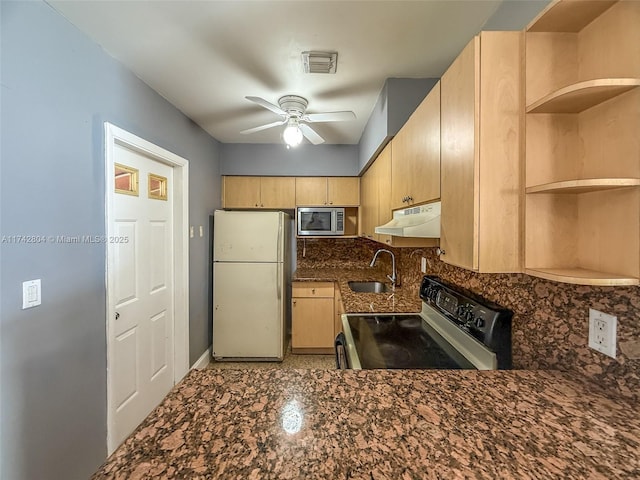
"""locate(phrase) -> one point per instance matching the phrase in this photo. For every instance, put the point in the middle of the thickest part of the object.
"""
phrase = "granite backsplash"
(551, 321)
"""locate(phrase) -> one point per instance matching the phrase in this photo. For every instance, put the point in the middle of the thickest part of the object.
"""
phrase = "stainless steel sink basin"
(369, 287)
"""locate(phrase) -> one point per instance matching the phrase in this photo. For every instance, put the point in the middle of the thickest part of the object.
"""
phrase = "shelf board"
(581, 96)
(584, 186)
(581, 276)
(570, 17)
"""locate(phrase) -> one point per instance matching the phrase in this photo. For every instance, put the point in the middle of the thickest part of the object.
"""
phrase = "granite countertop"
(381, 424)
(405, 299)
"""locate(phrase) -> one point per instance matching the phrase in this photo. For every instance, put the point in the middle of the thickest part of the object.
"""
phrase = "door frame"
(117, 136)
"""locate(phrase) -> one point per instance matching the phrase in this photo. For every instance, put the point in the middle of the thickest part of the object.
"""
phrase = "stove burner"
(410, 322)
(386, 355)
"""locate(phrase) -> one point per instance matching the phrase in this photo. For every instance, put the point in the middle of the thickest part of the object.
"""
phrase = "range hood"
(422, 221)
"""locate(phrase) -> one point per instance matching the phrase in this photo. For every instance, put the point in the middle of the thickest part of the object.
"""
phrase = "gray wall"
(276, 159)
(515, 14)
(57, 90)
(397, 101)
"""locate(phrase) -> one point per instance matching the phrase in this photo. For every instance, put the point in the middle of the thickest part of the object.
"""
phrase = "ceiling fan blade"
(264, 127)
(268, 105)
(311, 135)
(329, 117)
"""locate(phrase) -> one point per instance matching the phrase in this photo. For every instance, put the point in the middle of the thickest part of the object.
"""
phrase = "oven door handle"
(342, 362)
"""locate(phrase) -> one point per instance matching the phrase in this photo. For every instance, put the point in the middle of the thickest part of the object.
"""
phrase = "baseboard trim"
(203, 361)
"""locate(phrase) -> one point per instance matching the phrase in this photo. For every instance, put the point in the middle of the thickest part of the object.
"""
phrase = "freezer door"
(248, 310)
(248, 236)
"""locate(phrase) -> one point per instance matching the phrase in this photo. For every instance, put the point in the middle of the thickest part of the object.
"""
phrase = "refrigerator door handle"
(278, 280)
(280, 238)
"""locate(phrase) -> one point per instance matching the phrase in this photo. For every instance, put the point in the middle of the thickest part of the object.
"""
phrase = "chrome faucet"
(393, 277)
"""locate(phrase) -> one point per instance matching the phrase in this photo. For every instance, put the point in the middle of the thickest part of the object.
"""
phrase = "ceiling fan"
(292, 109)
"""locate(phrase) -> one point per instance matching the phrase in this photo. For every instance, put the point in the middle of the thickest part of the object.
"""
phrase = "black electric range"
(454, 330)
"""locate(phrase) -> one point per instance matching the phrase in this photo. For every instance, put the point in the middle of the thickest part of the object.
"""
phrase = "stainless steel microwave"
(320, 221)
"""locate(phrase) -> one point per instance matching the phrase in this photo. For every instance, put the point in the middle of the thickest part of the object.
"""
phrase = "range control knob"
(432, 293)
(479, 322)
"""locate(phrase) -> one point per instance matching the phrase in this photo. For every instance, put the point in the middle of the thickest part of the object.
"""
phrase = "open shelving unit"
(582, 207)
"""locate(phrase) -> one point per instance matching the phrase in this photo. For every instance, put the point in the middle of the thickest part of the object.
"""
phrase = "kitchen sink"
(369, 287)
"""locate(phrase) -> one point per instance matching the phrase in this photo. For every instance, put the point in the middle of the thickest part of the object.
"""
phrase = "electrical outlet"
(423, 265)
(602, 332)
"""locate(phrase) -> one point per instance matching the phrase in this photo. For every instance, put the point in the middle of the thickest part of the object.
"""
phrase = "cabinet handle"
(294, 303)
(313, 291)
(330, 203)
(256, 204)
(262, 205)
(439, 251)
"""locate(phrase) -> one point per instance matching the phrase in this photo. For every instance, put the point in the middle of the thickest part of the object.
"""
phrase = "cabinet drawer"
(315, 289)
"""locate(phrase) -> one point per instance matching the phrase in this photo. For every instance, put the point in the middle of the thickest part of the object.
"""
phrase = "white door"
(141, 349)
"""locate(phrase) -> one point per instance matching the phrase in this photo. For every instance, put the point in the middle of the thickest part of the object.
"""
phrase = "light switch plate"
(602, 332)
(31, 294)
(423, 265)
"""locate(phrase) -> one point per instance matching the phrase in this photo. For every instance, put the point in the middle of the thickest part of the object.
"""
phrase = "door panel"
(158, 239)
(125, 274)
(126, 371)
(311, 191)
(236, 235)
(247, 317)
(158, 343)
(459, 97)
(241, 192)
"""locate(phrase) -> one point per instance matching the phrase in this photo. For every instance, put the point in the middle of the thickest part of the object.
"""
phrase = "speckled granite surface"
(403, 300)
(381, 424)
(550, 323)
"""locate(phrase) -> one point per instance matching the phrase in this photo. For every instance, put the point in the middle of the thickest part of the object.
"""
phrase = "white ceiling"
(205, 56)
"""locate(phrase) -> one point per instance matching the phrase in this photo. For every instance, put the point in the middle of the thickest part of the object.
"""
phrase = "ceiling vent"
(319, 62)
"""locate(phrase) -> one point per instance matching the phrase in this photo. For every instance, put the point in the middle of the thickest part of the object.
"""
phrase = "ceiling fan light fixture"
(319, 62)
(292, 135)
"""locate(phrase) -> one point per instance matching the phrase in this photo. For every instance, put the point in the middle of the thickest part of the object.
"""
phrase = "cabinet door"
(241, 192)
(278, 192)
(368, 208)
(416, 155)
(460, 93)
(343, 191)
(383, 183)
(311, 191)
(312, 322)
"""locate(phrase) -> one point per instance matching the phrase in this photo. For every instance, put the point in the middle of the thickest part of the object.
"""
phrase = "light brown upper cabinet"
(582, 169)
(258, 192)
(481, 148)
(321, 191)
(415, 165)
(376, 190)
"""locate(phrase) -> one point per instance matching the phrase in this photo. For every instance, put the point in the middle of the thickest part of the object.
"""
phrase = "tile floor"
(320, 362)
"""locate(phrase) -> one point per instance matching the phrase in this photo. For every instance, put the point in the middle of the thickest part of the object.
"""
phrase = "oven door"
(342, 363)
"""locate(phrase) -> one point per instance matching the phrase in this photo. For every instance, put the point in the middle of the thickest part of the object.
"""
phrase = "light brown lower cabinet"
(312, 317)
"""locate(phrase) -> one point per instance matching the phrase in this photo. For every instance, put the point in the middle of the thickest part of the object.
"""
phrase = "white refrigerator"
(251, 288)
